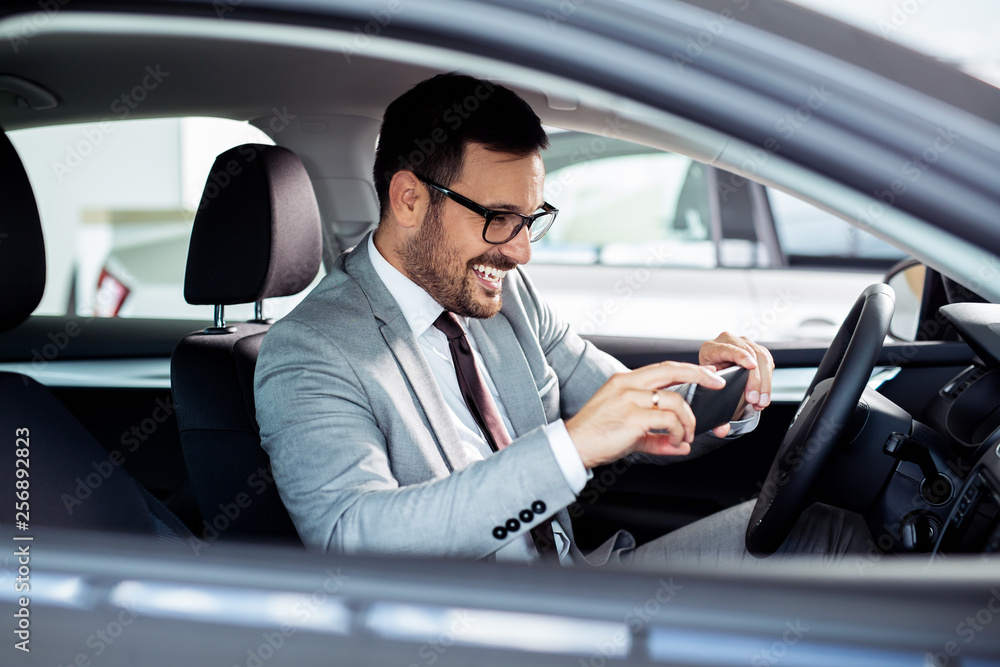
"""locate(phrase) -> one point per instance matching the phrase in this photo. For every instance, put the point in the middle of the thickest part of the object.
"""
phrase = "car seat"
(256, 235)
(70, 480)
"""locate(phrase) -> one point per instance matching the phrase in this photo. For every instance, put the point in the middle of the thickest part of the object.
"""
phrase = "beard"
(434, 264)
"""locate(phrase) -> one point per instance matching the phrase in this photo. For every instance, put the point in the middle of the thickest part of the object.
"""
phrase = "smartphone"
(715, 407)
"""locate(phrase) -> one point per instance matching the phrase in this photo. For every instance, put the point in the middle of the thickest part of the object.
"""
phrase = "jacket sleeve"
(580, 366)
(582, 369)
(336, 461)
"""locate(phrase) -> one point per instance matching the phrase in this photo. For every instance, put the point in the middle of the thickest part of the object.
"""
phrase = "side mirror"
(907, 281)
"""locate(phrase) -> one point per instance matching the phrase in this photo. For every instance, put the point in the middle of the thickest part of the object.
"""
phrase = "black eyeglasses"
(502, 226)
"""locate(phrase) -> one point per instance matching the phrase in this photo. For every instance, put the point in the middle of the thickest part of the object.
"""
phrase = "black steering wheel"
(820, 420)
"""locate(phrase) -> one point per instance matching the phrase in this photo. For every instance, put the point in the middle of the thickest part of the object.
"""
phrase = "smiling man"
(424, 400)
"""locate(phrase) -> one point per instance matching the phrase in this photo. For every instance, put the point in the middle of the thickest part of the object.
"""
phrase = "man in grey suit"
(377, 446)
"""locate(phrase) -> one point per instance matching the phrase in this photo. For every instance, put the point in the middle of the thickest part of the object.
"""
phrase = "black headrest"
(22, 248)
(257, 231)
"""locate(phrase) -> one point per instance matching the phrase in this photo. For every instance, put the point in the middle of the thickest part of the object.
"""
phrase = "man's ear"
(407, 199)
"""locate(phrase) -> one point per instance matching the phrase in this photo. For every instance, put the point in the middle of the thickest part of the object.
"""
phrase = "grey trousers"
(717, 541)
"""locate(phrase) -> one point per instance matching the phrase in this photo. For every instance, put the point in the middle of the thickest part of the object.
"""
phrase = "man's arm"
(334, 464)
(580, 366)
(583, 369)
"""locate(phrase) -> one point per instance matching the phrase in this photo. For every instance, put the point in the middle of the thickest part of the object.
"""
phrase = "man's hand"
(729, 350)
(618, 418)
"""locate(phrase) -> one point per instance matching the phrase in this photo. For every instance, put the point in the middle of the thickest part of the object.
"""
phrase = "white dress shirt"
(420, 311)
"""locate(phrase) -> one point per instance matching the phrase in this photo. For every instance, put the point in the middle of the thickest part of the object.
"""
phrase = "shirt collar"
(417, 306)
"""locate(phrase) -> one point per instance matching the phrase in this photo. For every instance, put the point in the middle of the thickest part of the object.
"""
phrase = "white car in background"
(653, 244)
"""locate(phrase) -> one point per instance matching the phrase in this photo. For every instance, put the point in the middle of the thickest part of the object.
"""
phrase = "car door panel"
(114, 376)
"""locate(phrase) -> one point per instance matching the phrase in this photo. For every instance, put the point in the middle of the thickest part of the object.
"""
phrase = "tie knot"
(449, 324)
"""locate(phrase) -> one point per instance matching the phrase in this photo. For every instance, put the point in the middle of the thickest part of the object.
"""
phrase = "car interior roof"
(258, 77)
(330, 80)
(346, 79)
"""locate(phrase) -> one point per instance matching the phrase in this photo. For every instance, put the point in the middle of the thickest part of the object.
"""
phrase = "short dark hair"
(427, 128)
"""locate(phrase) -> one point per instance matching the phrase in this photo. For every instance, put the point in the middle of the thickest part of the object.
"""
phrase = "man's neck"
(387, 248)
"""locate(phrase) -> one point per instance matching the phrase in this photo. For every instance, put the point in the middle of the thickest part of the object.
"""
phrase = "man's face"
(447, 255)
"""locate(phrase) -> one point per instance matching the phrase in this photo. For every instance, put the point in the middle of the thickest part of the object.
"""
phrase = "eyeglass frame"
(489, 214)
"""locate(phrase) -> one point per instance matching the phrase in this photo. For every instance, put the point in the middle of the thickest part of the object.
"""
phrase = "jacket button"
(538, 507)
(499, 532)
(513, 525)
(526, 516)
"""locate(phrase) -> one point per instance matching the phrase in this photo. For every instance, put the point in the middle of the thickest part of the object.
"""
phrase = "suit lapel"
(399, 337)
(506, 364)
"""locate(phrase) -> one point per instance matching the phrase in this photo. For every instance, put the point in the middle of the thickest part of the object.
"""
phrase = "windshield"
(962, 32)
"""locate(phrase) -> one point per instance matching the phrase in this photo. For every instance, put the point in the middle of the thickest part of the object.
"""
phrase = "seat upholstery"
(22, 249)
(245, 352)
(73, 481)
(256, 235)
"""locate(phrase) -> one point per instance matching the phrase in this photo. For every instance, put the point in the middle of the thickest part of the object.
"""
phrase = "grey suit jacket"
(364, 452)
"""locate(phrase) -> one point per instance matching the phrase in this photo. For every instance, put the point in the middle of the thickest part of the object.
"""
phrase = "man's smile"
(490, 275)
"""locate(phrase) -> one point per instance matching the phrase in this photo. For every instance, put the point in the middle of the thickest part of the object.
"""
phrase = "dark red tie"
(484, 410)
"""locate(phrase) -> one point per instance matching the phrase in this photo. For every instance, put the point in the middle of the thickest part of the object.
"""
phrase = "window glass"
(620, 209)
(117, 202)
(652, 244)
(807, 231)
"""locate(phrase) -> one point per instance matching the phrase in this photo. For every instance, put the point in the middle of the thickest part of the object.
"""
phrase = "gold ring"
(656, 399)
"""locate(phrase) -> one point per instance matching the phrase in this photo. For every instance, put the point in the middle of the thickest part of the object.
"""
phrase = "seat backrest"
(245, 353)
(256, 235)
(22, 247)
(67, 478)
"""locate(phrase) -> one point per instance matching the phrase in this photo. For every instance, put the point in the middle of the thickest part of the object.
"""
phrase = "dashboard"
(967, 411)
(943, 495)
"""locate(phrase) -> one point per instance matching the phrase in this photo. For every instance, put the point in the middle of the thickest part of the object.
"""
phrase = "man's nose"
(519, 247)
